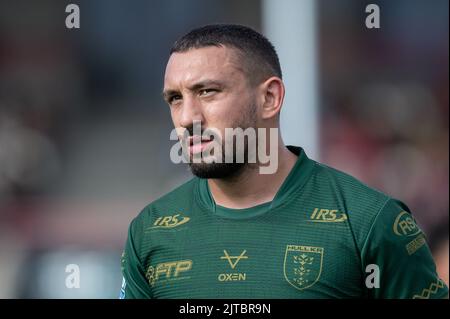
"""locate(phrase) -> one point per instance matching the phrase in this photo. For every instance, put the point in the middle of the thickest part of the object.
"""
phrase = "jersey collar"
(293, 184)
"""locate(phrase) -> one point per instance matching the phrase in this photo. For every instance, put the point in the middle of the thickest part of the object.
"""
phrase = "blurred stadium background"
(84, 132)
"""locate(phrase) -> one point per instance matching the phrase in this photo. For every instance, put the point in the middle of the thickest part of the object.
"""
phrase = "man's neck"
(251, 188)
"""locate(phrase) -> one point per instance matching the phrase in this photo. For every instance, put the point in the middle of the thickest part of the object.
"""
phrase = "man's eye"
(207, 91)
(174, 98)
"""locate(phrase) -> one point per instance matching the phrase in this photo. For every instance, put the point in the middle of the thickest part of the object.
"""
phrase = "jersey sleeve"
(134, 283)
(396, 247)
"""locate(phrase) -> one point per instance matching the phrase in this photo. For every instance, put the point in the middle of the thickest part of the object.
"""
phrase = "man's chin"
(216, 170)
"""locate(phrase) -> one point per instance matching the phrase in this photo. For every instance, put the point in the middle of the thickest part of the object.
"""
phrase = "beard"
(216, 170)
(224, 169)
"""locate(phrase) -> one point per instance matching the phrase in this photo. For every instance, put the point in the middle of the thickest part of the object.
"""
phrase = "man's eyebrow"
(206, 83)
(197, 86)
(168, 93)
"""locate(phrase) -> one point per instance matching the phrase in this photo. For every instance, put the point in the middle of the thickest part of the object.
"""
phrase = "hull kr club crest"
(302, 265)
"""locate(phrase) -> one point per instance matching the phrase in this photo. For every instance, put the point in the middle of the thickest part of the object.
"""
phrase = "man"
(302, 231)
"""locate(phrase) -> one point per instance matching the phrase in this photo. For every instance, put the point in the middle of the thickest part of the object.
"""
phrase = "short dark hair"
(260, 55)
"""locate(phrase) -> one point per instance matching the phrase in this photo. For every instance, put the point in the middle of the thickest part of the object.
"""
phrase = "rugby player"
(303, 231)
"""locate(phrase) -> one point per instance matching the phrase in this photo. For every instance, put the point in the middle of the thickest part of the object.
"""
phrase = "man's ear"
(272, 93)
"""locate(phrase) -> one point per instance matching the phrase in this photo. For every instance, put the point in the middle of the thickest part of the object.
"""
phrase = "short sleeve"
(134, 283)
(398, 248)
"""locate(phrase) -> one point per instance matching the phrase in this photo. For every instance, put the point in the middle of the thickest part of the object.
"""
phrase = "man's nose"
(190, 112)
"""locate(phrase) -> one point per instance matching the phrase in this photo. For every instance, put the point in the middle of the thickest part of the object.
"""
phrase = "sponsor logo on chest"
(322, 215)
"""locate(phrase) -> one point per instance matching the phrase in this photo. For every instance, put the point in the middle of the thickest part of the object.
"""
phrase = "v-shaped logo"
(235, 258)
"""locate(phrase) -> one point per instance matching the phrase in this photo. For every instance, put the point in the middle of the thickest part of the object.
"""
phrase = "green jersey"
(324, 235)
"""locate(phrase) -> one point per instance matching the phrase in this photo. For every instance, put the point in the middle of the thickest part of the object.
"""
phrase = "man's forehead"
(207, 62)
(209, 54)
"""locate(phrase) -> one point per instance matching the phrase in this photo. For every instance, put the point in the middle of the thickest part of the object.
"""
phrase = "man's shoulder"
(166, 211)
(352, 187)
(170, 203)
(361, 202)
(183, 192)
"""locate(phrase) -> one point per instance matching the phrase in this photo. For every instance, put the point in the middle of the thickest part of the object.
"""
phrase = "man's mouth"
(197, 144)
